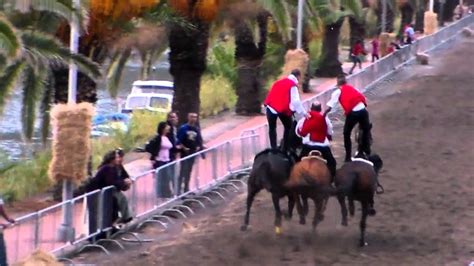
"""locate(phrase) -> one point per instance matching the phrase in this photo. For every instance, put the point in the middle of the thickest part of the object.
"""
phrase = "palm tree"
(28, 57)
(188, 51)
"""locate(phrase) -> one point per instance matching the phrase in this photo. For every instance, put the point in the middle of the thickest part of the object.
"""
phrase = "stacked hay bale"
(39, 258)
(295, 59)
(430, 22)
(384, 43)
(71, 145)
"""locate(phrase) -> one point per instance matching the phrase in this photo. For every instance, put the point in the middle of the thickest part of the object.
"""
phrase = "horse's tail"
(260, 175)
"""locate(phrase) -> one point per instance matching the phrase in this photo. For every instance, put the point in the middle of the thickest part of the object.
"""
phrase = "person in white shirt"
(282, 101)
(316, 132)
(354, 105)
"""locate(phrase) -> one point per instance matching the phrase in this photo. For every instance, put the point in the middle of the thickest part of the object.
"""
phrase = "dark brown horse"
(311, 178)
(270, 171)
(358, 181)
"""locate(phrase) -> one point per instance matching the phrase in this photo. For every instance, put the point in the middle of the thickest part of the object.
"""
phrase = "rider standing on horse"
(316, 132)
(355, 108)
(282, 100)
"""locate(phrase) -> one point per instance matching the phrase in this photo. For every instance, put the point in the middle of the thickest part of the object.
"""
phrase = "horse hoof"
(277, 230)
(302, 221)
(363, 244)
(372, 212)
(243, 228)
(344, 223)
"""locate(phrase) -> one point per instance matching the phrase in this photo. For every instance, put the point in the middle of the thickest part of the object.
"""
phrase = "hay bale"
(467, 32)
(71, 145)
(295, 59)
(39, 258)
(430, 22)
(422, 58)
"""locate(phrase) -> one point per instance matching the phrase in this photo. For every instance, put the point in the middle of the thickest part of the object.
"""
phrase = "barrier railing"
(197, 173)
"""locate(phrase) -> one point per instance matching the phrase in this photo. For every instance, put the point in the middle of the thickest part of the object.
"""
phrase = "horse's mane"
(267, 151)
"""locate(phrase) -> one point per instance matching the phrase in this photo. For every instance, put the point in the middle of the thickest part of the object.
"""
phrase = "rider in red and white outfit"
(354, 105)
(282, 100)
(316, 132)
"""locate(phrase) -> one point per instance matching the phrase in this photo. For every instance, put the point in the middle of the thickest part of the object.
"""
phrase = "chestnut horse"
(270, 171)
(311, 178)
(358, 180)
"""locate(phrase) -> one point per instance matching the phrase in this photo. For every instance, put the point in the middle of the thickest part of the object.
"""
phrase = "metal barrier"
(200, 173)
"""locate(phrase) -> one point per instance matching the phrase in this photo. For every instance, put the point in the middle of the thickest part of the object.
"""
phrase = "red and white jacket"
(349, 98)
(283, 97)
(314, 130)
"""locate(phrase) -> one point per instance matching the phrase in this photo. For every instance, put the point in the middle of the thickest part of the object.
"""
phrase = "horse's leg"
(276, 205)
(291, 206)
(318, 213)
(371, 210)
(342, 202)
(351, 206)
(305, 206)
(365, 208)
(252, 191)
(299, 208)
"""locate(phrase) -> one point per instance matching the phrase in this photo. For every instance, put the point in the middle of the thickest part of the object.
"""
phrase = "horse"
(358, 180)
(311, 178)
(270, 171)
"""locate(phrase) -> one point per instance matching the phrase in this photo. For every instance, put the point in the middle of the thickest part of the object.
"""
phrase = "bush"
(221, 61)
(216, 95)
(315, 46)
(26, 178)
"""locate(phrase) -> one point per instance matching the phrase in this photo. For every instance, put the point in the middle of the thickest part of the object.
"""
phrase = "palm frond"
(9, 42)
(354, 7)
(32, 83)
(281, 16)
(9, 79)
(327, 11)
(45, 106)
(48, 48)
(115, 71)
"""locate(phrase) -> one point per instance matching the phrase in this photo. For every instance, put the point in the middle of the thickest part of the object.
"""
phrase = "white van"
(152, 95)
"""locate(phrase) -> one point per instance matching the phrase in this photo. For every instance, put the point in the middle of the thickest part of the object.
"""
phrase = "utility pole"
(384, 16)
(299, 28)
(66, 231)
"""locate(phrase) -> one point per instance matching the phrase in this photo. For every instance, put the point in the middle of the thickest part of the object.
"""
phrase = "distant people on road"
(375, 48)
(357, 52)
(189, 141)
(409, 34)
(282, 101)
(110, 173)
(355, 108)
(160, 149)
(3, 247)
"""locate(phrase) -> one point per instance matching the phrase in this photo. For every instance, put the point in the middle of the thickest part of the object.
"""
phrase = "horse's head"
(377, 161)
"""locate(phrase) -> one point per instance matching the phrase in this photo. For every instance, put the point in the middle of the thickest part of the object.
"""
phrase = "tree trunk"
(357, 31)
(249, 56)
(389, 27)
(420, 20)
(407, 12)
(188, 51)
(329, 65)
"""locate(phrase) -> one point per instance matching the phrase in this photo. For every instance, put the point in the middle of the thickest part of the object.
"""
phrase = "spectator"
(375, 48)
(160, 148)
(282, 100)
(190, 142)
(3, 248)
(111, 173)
(409, 33)
(357, 53)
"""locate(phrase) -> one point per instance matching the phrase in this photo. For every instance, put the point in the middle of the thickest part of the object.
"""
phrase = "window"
(159, 102)
(137, 102)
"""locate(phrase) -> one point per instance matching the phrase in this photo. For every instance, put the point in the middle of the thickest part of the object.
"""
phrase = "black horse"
(271, 170)
(358, 181)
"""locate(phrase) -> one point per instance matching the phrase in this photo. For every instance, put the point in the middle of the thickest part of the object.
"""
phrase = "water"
(11, 143)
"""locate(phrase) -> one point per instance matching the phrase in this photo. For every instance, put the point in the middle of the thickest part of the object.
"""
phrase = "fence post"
(228, 152)
(134, 198)
(37, 228)
(242, 152)
(214, 163)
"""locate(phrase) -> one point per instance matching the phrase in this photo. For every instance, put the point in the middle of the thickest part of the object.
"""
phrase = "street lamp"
(299, 27)
(66, 230)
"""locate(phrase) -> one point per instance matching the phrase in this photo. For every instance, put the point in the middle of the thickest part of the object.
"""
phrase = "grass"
(216, 95)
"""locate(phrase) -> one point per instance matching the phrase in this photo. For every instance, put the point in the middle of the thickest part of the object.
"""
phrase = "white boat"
(152, 95)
